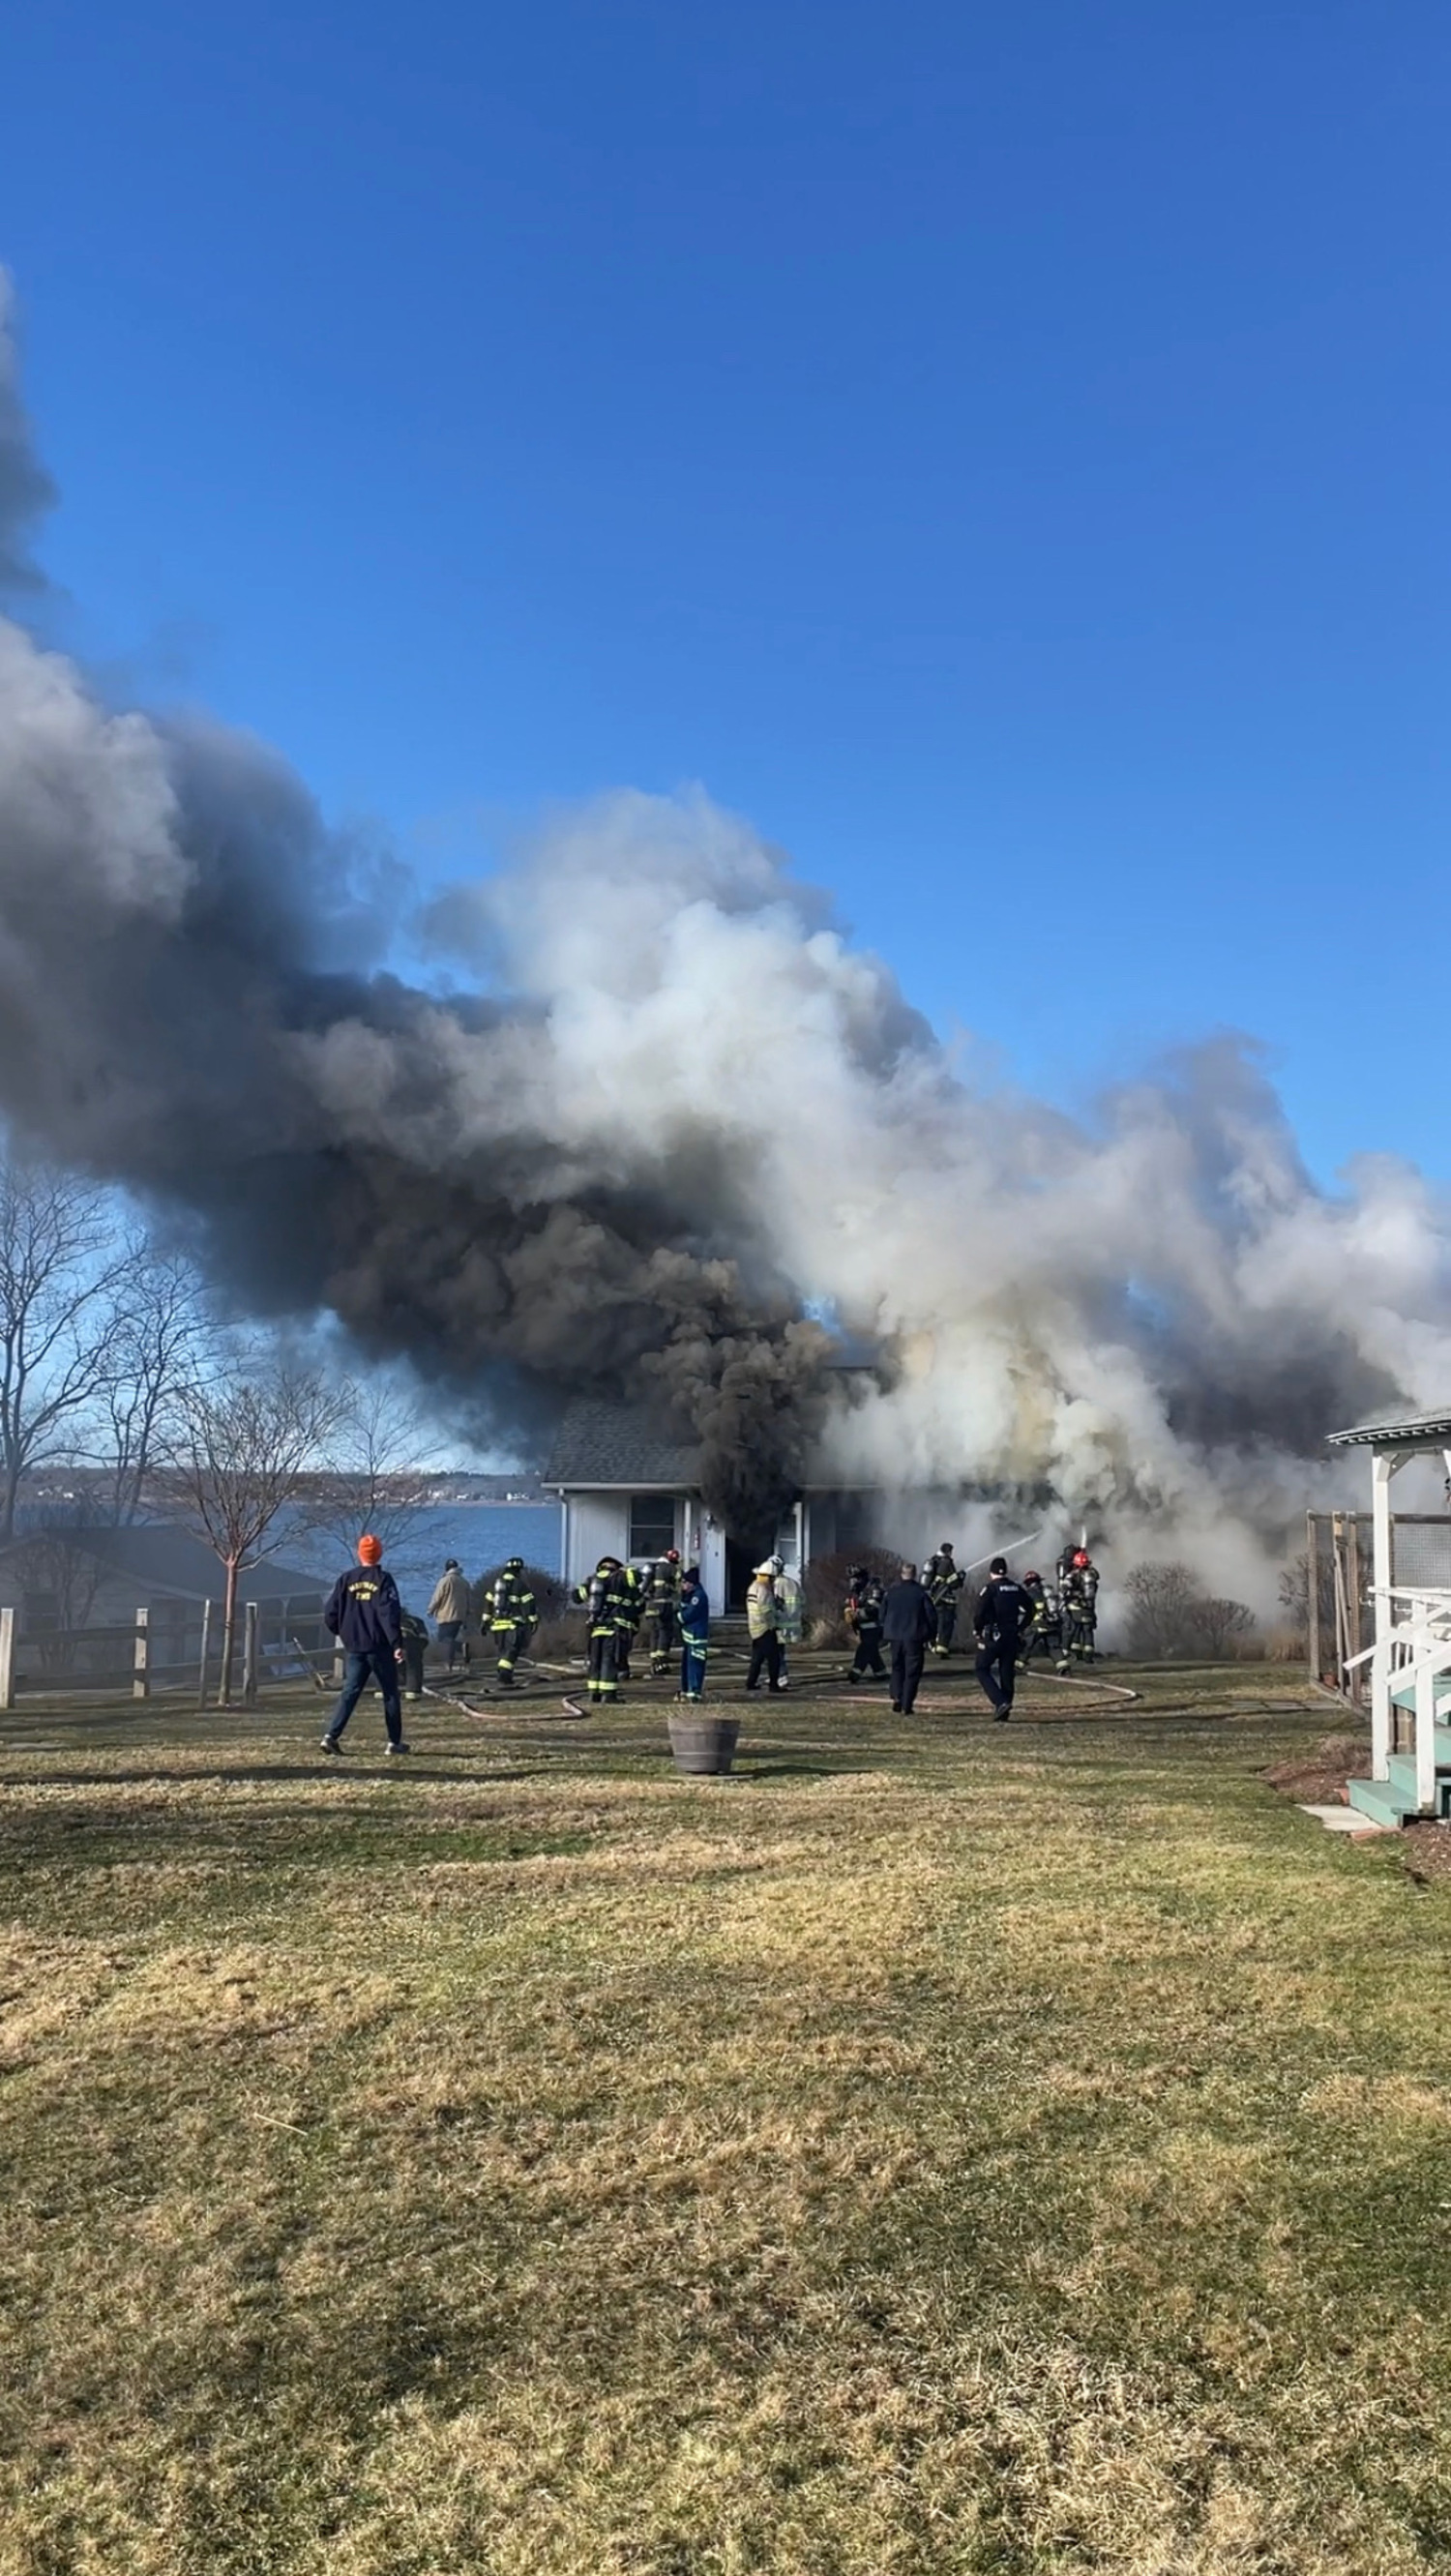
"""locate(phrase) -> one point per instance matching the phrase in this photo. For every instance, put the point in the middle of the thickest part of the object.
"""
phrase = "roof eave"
(1428, 1431)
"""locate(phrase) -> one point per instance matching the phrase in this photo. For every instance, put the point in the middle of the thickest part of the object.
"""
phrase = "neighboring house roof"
(1426, 1430)
(160, 1559)
(599, 1443)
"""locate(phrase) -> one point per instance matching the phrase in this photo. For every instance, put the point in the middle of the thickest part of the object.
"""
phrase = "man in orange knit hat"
(365, 1615)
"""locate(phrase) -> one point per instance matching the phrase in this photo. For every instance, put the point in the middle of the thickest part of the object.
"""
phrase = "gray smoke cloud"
(26, 490)
(670, 1114)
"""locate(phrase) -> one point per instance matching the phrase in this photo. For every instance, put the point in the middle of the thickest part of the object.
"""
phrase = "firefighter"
(944, 1580)
(763, 1621)
(631, 1612)
(1078, 1601)
(415, 1647)
(864, 1619)
(601, 1598)
(791, 1604)
(693, 1621)
(662, 1600)
(511, 1616)
(1042, 1629)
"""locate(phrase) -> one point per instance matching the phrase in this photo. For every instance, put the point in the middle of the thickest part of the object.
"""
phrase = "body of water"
(480, 1535)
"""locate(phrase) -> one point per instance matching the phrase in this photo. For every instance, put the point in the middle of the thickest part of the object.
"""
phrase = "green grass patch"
(940, 2147)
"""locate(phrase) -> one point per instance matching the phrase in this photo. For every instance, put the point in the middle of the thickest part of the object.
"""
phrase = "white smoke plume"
(670, 1114)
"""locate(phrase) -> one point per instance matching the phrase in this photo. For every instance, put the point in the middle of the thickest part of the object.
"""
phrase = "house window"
(652, 1524)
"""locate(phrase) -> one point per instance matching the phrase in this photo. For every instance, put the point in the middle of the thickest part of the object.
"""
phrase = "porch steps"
(1391, 1801)
(1404, 1696)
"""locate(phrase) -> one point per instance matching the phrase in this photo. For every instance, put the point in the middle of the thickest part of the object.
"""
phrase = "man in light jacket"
(763, 1620)
(451, 1607)
(907, 1623)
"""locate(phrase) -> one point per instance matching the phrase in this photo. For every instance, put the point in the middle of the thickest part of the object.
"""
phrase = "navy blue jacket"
(1004, 1610)
(906, 1619)
(694, 1613)
(364, 1611)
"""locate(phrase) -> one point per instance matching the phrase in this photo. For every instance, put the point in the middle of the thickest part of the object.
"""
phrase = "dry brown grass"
(941, 2148)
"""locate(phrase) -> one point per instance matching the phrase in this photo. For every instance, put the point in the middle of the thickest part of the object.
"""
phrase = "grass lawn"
(942, 2147)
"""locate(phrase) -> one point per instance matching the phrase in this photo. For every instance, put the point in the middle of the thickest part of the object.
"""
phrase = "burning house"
(631, 1489)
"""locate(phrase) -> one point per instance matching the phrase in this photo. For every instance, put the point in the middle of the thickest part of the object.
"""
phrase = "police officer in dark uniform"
(1004, 1614)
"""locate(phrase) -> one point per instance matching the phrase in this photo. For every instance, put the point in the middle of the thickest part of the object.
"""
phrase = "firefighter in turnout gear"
(415, 1647)
(632, 1611)
(510, 1616)
(602, 1599)
(662, 1600)
(791, 1603)
(864, 1618)
(1041, 1634)
(1078, 1602)
(944, 1580)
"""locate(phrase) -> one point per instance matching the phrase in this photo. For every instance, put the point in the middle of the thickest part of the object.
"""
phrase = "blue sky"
(1002, 451)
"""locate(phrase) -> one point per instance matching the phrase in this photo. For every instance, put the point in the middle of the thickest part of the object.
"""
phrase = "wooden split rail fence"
(167, 1647)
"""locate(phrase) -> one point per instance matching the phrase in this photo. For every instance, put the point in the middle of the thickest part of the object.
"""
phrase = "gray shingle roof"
(1408, 1428)
(160, 1559)
(599, 1443)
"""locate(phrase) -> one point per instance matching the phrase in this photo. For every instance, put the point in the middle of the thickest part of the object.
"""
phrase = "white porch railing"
(1413, 1646)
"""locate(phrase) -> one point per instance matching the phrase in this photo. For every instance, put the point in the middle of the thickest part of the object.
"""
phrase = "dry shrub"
(1169, 1614)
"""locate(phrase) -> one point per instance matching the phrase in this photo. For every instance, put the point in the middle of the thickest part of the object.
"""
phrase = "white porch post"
(1384, 1464)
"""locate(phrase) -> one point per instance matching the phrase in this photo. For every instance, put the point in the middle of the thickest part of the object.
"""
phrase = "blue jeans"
(378, 1665)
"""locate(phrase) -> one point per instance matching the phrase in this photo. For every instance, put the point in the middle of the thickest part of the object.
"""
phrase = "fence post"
(141, 1657)
(338, 1665)
(249, 1654)
(7, 1658)
(1353, 1602)
(201, 1688)
(1312, 1590)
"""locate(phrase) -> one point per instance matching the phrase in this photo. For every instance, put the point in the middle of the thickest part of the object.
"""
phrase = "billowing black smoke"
(169, 902)
(671, 1113)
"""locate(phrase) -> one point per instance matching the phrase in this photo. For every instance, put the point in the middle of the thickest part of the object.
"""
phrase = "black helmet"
(513, 1565)
(856, 1574)
(450, 1565)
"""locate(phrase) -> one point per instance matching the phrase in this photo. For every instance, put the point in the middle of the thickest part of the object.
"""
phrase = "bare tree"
(243, 1449)
(60, 1579)
(163, 1342)
(1220, 1627)
(58, 1316)
(382, 1452)
(1161, 1599)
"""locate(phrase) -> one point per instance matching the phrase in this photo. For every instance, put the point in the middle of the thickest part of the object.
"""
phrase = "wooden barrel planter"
(704, 1744)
